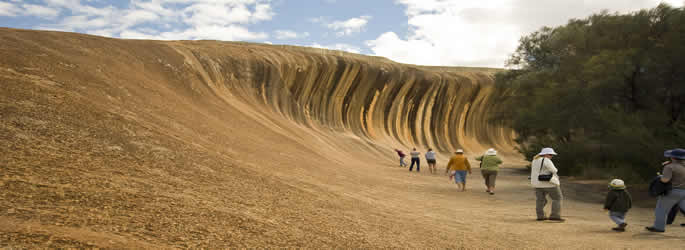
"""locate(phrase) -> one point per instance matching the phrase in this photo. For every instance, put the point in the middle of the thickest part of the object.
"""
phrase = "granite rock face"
(440, 107)
(131, 143)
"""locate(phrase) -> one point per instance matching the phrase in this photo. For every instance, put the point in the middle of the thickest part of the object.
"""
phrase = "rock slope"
(132, 143)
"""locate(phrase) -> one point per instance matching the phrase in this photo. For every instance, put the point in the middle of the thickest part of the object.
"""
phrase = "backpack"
(657, 188)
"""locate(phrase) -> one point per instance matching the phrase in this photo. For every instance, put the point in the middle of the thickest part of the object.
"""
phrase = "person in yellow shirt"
(457, 167)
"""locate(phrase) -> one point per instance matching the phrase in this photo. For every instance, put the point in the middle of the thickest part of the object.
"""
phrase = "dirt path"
(432, 209)
(511, 212)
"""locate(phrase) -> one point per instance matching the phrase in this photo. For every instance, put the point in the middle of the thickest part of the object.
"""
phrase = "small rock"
(114, 148)
(21, 136)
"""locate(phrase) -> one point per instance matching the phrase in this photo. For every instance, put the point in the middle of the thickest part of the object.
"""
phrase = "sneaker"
(619, 229)
(652, 229)
(541, 219)
(557, 219)
(623, 225)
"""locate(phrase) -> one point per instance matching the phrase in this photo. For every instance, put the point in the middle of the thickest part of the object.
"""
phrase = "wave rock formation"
(134, 143)
(374, 98)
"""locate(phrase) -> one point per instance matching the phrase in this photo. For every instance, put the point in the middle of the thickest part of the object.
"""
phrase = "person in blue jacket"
(674, 172)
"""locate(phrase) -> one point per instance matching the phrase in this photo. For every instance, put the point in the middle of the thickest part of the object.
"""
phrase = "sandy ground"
(103, 146)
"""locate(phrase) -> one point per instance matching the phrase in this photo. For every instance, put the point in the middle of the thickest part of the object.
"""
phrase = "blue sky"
(426, 32)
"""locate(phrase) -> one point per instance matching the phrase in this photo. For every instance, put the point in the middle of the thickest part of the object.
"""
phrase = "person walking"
(618, 202)
(674, 172)
(543, 177)
(459, 165)
(430, 158)
(674, 211)
(401, 155)
(489, 166)
(415, 159)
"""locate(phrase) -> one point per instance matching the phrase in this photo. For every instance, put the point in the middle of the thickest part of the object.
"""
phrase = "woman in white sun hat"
(489, 165)
(543, 177)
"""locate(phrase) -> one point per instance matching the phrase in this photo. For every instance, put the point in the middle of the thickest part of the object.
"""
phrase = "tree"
(607, 91)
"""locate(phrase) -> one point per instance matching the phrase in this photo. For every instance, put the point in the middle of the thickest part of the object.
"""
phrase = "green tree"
(607, 91)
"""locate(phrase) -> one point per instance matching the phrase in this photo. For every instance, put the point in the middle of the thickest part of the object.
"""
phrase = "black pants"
(418, 164)
(673, 213)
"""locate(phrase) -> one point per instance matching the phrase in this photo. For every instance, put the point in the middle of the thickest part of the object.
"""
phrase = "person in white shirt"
(415, 159)
(543, 177)
(430, 158)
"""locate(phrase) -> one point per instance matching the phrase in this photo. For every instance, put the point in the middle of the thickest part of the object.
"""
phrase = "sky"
(479, 33)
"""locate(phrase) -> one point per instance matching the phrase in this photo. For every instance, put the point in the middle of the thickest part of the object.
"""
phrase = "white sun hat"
(617, 183)
(547, 151)
(491, 151)
(459, 151)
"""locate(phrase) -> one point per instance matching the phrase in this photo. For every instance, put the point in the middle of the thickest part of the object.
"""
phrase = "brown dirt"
(133, 144)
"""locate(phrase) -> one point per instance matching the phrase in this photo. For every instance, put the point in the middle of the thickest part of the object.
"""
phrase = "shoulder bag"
(545, 177)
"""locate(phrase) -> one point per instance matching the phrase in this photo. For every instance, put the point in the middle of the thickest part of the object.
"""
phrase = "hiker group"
(668, 186)
(458, 166)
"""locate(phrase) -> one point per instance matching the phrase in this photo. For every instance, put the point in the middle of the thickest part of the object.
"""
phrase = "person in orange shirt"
(457, 167)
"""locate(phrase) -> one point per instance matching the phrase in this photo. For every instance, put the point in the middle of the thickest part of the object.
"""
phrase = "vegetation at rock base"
(607, 92)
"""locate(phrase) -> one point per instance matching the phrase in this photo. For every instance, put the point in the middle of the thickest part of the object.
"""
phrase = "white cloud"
(84, 22)
(62, 3)
(391, 46)
(140, 16)
(216, 32)
(155, 6)
(444, 33)
(481, 33)
(126, 19)
(172, 19)
(285, 34)
(8, 9)
(289, 34)
(77, 8)
(338, 46)
(262, 12)
(216, 14)
(320, 19)
(40, 11)
(349, 26)
(212, 32)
